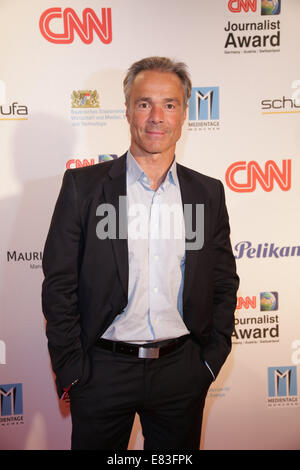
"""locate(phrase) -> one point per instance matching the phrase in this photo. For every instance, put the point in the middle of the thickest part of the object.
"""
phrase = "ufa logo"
(254, 174)
(70, 22)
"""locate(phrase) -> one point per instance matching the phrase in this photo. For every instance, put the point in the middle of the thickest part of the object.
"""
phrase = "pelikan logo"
(246, 249)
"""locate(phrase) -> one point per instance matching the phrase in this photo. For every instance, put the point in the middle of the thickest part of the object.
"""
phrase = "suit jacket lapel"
(115, 187)
(191, 193)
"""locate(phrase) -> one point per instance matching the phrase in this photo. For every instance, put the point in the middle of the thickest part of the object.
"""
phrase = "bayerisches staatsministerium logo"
(86, 110)
(85, 99)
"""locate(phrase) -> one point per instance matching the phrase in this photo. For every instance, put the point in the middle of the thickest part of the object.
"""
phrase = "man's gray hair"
(161, 64)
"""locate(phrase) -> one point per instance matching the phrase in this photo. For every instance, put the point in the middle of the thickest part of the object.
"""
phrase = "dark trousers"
(168, 394)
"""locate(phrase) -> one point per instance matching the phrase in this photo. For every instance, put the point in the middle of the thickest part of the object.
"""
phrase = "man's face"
(155, 113)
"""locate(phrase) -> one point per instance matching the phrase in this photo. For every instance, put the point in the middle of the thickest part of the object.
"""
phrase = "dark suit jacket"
(86, 279)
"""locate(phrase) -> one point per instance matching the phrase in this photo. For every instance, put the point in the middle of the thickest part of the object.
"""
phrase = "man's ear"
(127, 112)
(185, 113)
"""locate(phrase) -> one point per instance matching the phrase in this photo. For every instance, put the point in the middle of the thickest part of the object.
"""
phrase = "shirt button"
(155, 289)
(156, 257)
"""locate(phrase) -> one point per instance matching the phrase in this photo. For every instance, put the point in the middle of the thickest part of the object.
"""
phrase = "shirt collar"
(135, 172)
(172, 174)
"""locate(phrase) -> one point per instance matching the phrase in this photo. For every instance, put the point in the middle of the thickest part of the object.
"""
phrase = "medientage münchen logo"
(204, 104)
(11, 404)
(282, 386)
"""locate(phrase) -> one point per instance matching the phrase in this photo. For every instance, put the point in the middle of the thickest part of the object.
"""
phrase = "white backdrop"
(246, 78)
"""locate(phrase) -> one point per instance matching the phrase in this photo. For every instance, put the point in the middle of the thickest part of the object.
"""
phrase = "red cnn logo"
(76, 163)
(236, 6)
(246, 302)
(255, 174)
(90, 22)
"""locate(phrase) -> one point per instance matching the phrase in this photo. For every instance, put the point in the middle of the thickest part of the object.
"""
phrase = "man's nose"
(157, 114)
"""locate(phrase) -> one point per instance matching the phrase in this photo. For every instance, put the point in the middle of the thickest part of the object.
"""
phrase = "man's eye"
(143, 105)
(170, 106)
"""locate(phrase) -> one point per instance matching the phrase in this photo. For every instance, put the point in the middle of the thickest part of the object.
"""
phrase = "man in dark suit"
(140, 314)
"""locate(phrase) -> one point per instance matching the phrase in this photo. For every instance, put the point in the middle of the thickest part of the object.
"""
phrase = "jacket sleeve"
(61, 262)
(226, 282)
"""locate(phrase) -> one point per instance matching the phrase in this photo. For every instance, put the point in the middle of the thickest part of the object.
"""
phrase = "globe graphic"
(268, 301)
(270, 7)
(106, 158)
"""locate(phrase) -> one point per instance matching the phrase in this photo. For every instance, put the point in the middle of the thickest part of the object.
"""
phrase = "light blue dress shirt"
(156, 251)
